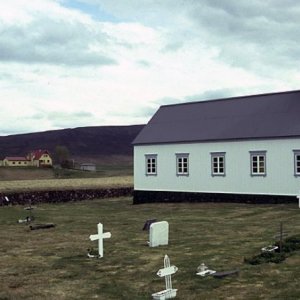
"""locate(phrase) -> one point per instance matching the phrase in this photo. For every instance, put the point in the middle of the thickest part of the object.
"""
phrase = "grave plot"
(282, 248)
(166, 272)
(203, 270)
(30, 217)
(41, 226)
(223, 274)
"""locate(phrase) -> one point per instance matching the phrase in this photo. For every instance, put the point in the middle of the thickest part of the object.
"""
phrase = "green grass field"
(53, 263)
(33, 173)
(63, 184)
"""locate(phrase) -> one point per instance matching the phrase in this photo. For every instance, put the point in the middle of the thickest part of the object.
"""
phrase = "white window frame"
(151, 164)
(296, 163)
(182, 164)
(256, 158)
(217, 165)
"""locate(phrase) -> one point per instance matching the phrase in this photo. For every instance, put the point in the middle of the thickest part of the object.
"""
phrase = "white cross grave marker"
(166, 272)
(100, 236)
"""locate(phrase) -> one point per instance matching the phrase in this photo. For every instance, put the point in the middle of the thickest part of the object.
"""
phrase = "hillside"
(100, 144)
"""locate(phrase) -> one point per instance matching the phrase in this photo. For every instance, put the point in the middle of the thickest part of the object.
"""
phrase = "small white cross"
(100, 236)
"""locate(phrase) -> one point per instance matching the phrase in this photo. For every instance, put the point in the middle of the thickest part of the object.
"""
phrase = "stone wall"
(22, 198)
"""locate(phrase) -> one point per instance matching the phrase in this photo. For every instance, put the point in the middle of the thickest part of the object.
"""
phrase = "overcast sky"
(67, 63)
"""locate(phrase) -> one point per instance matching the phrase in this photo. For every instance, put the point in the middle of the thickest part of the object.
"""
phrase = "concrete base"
(165, 294)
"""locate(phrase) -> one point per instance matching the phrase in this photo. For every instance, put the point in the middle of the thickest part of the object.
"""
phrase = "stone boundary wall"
(22, 198)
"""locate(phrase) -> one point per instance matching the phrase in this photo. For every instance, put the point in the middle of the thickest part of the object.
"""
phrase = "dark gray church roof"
(261, 116)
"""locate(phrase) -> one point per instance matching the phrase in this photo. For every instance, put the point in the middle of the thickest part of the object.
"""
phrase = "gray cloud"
(45, 120)
(261, 36)
(168, 100)
(62, 119)
(212, 94)
(253, 34)
(52, 41)
(146, 112)
(144, 63)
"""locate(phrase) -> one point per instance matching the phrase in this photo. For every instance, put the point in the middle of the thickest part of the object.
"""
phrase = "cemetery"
(148, 251)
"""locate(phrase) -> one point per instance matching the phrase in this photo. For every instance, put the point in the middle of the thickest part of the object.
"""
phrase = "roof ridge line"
(232, 98)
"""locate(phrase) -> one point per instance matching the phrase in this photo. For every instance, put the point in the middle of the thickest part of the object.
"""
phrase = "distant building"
(40, 158)
(88, 167)
(16, 161)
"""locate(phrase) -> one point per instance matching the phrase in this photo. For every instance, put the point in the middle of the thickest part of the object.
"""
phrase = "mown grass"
(101, 171)
(33, 173)
(53, 263)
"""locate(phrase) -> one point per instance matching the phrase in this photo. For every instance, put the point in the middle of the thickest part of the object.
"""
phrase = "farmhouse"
(40, 158)
(242, 149)
(15, 161)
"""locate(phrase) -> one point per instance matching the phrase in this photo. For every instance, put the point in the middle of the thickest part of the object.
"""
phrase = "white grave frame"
(159, 234)
(203, 270)
(100, 236)
(166, 272)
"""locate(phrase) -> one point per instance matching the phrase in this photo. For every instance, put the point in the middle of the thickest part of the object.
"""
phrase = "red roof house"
(40, 158)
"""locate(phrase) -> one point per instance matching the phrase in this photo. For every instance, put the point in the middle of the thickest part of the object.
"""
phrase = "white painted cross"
(166, 272)
(100, 236)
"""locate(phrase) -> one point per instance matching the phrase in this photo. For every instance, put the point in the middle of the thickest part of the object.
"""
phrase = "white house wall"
(279, 179)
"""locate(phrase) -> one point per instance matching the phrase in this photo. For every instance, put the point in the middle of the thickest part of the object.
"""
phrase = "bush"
(265, 257)
(290, 244)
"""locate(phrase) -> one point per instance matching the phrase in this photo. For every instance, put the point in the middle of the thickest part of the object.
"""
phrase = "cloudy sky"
(74, 63)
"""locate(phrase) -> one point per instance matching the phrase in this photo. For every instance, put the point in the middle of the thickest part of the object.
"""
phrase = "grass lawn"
(53, 263)
(33, 173)
(63, 184)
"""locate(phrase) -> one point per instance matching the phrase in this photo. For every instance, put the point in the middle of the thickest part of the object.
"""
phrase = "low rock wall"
(23, 198)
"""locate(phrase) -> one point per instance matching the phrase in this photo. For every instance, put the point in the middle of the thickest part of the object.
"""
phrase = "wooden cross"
(100, 236)
(166, 272)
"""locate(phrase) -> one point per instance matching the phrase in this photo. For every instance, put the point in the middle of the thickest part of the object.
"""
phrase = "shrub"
(290, 244)
(265, 257)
